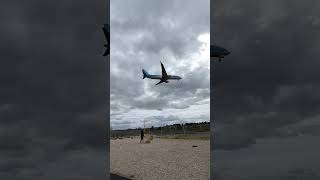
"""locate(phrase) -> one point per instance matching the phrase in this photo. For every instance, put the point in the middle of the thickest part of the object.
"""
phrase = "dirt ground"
(165, 159)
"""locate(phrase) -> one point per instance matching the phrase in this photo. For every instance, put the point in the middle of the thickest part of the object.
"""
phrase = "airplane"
(163, 78)
(107, 35)
(219, 52)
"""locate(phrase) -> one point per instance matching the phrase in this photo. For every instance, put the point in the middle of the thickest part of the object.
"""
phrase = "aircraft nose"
(227, 52)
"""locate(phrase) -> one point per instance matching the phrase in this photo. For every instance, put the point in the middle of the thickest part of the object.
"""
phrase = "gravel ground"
(165, 159)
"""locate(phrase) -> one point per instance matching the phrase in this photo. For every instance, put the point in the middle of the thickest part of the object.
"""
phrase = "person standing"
(142, 135)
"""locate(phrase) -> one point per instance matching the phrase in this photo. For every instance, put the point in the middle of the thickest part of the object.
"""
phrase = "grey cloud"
(145, 33)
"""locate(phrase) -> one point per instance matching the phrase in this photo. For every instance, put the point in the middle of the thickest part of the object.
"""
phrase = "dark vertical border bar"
(107, 59)
(211, 90)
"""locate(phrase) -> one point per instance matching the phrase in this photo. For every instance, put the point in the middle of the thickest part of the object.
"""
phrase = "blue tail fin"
(145, 73)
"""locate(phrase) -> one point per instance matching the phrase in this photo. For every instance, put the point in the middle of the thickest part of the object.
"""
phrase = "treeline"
(174, 129)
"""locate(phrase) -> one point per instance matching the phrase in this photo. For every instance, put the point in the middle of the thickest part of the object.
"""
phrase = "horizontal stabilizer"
(145, 73)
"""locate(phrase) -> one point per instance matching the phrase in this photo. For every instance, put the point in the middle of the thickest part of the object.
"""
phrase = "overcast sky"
(143, 33)
(268, 87)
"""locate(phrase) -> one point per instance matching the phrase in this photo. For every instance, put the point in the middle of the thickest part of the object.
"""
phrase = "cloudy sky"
(143, 33)
(265, 96)
(52, 90)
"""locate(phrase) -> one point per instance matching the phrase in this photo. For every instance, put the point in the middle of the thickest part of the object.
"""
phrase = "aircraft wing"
(164, 73)
(107, 35)
(106, 52)
(159, 82)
